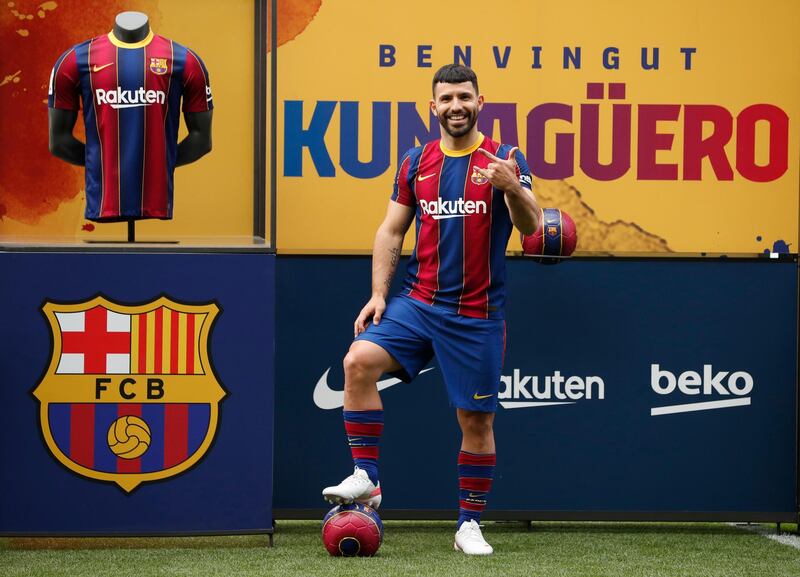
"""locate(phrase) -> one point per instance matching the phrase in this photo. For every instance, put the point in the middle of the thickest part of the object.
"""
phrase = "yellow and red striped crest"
(158, 65)
(130, 394)
(164, 341)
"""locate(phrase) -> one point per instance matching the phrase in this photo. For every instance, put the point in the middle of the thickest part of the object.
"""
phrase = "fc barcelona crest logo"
(478, 178)
(130, 395)
(158, 65)
(552, 230)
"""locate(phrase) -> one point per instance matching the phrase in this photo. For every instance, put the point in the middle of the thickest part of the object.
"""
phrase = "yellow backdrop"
(740, 56)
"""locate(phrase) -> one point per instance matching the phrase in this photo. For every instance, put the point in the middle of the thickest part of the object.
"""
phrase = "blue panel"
(59, 415)
(131, 133)
(230, 488)
(104, 458)
(451, 230)
(199, 416)
(601, 324)
(501, 221)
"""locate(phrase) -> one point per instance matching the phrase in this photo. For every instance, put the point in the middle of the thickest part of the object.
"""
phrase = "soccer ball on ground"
(352, 530)
(555, 237)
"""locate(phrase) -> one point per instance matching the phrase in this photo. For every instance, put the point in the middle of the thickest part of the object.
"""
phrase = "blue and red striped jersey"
(462, 225)
(131, 96)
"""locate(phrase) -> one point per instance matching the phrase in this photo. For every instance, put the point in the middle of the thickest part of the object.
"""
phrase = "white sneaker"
(355, 488)
(469, 539)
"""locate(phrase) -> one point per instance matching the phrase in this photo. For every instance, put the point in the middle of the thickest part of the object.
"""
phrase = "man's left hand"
(501, 173)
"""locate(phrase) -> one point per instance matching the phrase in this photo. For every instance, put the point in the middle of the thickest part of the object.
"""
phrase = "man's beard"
(471, 118)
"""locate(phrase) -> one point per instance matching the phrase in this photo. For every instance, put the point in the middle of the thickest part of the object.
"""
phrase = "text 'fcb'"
(153, 388)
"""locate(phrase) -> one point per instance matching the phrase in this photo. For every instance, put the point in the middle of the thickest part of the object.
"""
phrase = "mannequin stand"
(131, 237)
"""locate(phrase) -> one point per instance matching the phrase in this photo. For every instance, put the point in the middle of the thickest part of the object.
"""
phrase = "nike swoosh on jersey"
(326, 398)
(97, 68)
(420, 178)
(478, 397)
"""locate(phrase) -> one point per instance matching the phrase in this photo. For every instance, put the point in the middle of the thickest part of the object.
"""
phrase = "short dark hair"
(455, 74)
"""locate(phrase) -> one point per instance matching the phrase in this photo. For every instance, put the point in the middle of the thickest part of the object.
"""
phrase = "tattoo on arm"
(395, 252)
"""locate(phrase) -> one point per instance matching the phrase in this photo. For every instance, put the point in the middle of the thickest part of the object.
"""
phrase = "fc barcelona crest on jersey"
(158, 65)
(129, 395)
(478, 178)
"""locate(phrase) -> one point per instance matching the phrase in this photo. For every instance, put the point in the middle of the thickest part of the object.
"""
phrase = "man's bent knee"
(368, 359)
(476, 423)
(358, 367)
(363, 366)
(366, 362)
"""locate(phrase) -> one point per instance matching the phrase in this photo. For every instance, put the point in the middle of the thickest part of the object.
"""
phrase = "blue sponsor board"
(641, 387)
(161, 424)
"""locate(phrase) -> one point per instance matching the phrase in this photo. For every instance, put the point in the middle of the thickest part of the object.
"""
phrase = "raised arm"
(505, 174)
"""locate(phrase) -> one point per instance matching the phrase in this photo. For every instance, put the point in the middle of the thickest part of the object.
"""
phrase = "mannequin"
(129, 28)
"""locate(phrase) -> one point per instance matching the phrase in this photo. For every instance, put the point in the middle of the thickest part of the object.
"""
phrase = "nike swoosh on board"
(326, 398)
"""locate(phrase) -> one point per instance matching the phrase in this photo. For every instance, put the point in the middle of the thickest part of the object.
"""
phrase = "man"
(466, 192)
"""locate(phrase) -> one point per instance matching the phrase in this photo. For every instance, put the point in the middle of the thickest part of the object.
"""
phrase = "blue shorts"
(468, 351)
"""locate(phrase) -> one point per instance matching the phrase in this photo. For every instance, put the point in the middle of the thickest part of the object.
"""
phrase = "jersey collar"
(120, 44)
(463, 151)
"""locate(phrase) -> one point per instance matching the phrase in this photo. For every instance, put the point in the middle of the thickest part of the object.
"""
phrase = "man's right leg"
(363, 366)
(363, 422)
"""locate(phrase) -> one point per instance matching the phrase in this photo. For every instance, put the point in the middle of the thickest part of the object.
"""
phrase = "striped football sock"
(364, 430)
(475, 472)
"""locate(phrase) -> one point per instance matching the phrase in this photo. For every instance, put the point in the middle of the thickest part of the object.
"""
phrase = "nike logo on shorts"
(478, 397)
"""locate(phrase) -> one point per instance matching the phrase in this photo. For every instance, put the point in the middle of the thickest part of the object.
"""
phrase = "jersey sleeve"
(403, 192)
(196, 85)
(64, 87)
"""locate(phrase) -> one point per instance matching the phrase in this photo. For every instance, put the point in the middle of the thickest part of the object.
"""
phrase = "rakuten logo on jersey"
(120, 98)
(699, 386)
(439, 209)
(525, 391)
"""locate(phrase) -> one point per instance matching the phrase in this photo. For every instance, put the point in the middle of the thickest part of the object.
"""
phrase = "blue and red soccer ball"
(556, 237)
(352, 530)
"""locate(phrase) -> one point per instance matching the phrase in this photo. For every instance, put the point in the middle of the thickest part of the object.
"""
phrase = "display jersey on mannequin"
(132, 84)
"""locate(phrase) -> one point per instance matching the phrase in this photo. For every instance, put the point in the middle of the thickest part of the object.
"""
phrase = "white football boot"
(355, 488)
(469, 539)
